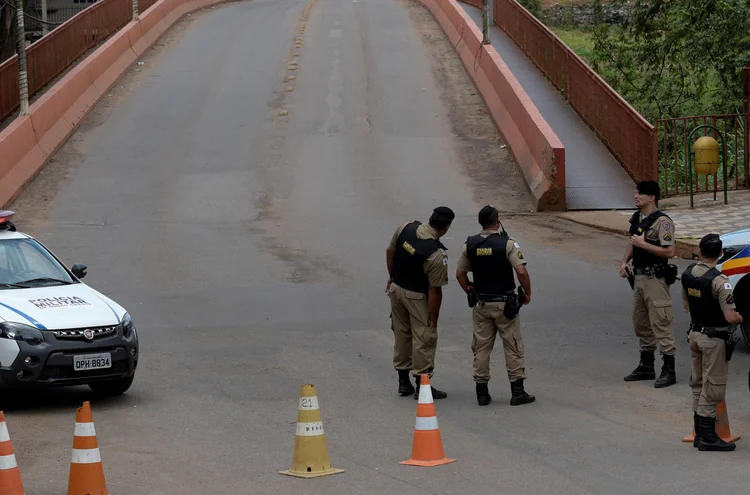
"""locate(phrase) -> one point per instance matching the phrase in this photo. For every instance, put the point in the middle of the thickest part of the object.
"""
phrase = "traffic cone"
(427, 447)
(86, 470)
(722, 426)
(10, 476)
(310, 459)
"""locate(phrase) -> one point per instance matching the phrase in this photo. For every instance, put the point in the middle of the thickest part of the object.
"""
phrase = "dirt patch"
(495, 175)
(34, 200)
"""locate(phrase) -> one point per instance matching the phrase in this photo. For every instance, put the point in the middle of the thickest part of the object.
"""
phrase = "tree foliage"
(7, 32)
(677, 57)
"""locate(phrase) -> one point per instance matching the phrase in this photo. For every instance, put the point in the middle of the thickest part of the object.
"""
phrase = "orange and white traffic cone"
(722, 426)
(427, 447)
(86, 470)
(10, 476)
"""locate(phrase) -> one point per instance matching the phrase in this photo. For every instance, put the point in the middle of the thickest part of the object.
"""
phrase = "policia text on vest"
(652, 244)
(494, 258)
(417, 270)
(707, 295)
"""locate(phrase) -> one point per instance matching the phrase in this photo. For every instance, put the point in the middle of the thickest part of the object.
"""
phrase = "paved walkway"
(594, 179)
(690, 224)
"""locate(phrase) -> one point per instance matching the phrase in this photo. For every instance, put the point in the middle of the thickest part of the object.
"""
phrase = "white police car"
(735, 263)
(54, 329)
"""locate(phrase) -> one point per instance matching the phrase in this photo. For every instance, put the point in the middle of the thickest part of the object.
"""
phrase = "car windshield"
(25, 263)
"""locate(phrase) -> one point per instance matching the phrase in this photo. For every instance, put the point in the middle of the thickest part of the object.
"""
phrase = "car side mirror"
(79, 270)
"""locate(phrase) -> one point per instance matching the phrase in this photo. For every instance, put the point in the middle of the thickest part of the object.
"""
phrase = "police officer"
(652, 243)
(418, 269)
(707, 294)
(493, 256)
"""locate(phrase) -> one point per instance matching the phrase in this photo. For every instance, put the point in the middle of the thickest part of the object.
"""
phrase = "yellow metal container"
(706, 155)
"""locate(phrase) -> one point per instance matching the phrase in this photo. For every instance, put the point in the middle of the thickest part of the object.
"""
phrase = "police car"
(54, 329)
(735, 264)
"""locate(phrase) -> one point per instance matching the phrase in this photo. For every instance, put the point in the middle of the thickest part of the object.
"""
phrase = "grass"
(578, 39)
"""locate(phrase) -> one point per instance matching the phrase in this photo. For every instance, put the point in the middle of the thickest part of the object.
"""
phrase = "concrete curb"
(28, 143)
(538, 151)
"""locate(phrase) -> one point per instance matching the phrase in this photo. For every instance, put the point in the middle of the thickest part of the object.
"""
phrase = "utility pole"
(135, 10)
(486, 22)
(23, 78)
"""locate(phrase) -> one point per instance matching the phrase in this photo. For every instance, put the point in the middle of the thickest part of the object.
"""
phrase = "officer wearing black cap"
(707, 294)
(492, 256)
(418, 269)
(652, 243)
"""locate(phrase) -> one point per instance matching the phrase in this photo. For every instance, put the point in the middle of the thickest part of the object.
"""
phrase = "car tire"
(111, 388)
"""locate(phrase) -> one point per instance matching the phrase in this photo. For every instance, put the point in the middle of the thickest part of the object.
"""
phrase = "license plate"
(92, 362)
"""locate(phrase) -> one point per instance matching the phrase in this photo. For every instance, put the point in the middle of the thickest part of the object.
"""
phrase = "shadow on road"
(62, 399)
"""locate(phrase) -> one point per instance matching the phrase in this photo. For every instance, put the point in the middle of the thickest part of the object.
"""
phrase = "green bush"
(533, 6)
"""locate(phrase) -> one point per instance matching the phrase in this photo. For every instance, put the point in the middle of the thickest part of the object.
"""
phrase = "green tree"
(677, 57)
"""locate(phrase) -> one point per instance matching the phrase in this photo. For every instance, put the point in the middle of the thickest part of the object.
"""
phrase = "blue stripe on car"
(29, 318)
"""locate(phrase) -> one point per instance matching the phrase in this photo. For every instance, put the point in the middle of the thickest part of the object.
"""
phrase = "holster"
(668, 272)
(512, 305)
(731, 343)
(471, 296)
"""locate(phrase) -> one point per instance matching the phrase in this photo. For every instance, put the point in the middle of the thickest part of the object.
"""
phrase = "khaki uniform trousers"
(653, 315)
(489, 321)
(708, 373)
(414, 341)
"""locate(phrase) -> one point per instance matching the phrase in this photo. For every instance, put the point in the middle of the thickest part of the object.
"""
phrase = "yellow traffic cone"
(310, 458)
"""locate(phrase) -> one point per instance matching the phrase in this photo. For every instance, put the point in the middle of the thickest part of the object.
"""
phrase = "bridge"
(232, 173)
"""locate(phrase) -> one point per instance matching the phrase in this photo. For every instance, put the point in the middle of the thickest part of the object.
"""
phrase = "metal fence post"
(23, 78)
(135, 10)
(44, 17)
(486, 22)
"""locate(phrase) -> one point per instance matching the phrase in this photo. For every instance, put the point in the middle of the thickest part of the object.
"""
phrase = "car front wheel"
(112, 387)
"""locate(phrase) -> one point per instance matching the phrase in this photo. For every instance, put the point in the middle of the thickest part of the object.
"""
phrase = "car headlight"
(18, 331)
(730, 252)
(127, 325)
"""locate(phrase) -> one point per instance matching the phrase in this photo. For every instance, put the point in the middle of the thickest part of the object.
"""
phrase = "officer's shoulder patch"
(445, 261)
(730, 299)
(667, 236)
(727, 286)
(516, 245)
(666, 224)
(520, 254)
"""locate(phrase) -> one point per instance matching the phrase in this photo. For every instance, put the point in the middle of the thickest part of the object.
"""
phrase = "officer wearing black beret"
(652, 244)
(417, 270)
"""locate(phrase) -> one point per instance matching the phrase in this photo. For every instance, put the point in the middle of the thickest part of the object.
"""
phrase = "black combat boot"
(483, 395)
(645, 369)
(697, 428)
(518, 395)
(667, 376)
(709, 440)
(404, 385)
(436, 394)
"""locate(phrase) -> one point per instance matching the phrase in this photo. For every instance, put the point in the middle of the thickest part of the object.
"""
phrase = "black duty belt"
(492, 297)
(711, 331)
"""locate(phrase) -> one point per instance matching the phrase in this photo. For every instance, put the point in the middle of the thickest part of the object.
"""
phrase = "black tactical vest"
(411, 253)
(641, 257)
(704, 309)
(493, 273)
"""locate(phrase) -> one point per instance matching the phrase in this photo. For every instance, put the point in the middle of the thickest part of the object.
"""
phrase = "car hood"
(59, 307)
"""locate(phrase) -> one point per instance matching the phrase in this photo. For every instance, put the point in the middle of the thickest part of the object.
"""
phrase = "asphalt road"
(244, 226)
